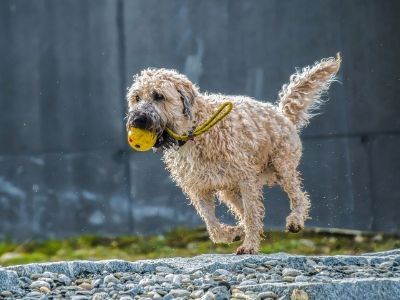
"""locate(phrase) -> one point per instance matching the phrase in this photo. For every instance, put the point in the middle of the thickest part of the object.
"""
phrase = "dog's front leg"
(253, 218)
(233, 200)
(219, 233)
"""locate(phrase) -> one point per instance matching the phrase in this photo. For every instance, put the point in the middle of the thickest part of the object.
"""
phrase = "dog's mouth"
(161, 139)
(165, 141)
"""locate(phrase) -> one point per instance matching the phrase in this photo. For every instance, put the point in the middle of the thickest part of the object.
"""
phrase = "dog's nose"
(140, 122)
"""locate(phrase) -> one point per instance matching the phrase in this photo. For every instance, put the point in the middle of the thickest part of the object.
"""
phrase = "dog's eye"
(137, 98)
(157, 96)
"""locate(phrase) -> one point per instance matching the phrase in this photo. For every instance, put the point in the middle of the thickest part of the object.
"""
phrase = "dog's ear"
(187, 97)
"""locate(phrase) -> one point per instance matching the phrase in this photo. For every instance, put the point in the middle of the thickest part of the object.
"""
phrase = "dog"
(256, 144)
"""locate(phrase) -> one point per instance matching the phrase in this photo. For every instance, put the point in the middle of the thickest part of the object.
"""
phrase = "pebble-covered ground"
(277, 276)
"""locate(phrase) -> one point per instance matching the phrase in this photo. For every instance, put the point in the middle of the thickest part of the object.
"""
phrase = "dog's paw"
(237, 238)
(227, 234)
(235, 233)
(294, 223)
(246, 250)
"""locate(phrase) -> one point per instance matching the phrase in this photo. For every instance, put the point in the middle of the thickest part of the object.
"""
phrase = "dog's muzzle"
(142, 121)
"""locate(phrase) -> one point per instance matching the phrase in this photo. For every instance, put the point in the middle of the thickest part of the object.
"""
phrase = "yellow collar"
(214, 119)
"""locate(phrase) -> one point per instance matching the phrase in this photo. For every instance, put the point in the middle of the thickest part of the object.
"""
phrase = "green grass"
(186, 242)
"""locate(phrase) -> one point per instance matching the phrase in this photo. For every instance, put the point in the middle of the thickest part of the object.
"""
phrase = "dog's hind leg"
(219, 233)
(291, 182)
(299, 201)
(253, 217)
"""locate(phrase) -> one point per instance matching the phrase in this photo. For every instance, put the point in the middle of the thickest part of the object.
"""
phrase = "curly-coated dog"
(256, 144)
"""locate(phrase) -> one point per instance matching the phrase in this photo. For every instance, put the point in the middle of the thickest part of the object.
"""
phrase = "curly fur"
(256, 144)
(302, 96)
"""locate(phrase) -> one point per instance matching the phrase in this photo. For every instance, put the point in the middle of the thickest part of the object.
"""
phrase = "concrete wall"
(65, 168)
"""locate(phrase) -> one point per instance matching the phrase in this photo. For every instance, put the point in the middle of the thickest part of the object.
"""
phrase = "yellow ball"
(141, 139)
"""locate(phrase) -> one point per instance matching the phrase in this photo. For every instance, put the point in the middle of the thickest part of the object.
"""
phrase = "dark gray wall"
(65, 168)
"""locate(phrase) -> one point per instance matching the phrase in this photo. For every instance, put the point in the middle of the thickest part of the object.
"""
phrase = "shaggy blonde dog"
(256, 144)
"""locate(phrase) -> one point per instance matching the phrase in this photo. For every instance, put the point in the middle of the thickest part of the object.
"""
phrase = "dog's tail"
(301, 97)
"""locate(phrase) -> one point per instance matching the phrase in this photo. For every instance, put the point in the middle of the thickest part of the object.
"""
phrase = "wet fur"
(256, 144)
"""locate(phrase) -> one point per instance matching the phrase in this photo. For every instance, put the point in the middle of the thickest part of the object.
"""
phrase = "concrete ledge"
(368, 276)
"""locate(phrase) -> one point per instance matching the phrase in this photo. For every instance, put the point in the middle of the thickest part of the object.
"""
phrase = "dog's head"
(159, 98)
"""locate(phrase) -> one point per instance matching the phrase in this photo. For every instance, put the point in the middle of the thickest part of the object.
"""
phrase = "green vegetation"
(187, 242)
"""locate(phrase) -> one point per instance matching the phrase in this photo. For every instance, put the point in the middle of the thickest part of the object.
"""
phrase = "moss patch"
(187, 242)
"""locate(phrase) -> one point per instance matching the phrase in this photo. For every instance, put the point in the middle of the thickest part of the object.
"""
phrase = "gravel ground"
(277, 276)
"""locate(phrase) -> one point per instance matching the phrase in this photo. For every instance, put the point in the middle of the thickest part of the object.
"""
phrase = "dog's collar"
(207, 125)
(165, 142)
(190, 136)
(171, 139)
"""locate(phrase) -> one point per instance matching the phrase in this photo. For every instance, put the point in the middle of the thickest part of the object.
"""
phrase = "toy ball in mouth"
(141, 139)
